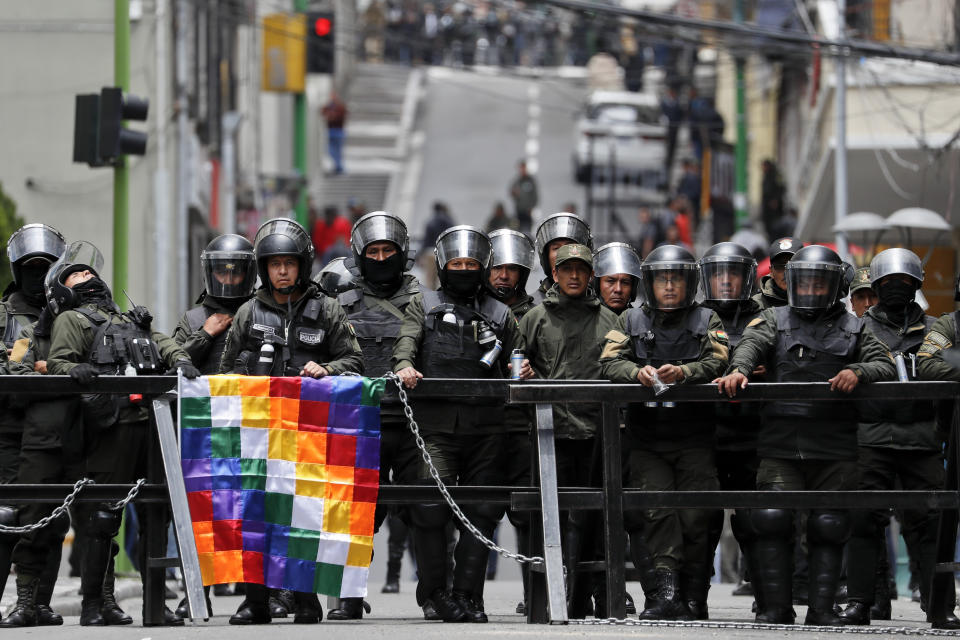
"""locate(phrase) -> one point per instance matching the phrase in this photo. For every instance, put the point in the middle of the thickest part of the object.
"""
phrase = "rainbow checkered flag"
(282, 476)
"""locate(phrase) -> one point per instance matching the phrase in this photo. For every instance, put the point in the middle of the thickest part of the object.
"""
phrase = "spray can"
(130, 370)
(516, 361)
(265, 363)
(901, 367)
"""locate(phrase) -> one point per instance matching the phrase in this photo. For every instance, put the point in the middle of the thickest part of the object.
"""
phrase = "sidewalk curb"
(67, 602)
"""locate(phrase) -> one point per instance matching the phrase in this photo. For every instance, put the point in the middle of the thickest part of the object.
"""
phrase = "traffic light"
(99, 138)
(321, 43)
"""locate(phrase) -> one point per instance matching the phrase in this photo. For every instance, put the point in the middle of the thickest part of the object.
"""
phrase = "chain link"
(134, 490)
(415, 429)
(56, 513)
(717, 624)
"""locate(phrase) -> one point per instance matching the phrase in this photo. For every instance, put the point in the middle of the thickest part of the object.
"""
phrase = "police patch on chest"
(306, 336)
(263, 328)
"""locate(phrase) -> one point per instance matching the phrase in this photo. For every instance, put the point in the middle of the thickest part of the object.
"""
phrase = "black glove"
(189, 371)
(84, 373)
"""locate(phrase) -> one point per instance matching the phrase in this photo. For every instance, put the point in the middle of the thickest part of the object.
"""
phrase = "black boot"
(856, 613)
(446, 607)
(881, 609)
(306, 608)
(666, 603)
(472, 607)
(772, 572)
(183, 610)
(349, 609)
(824, 573)
(281, 603)
(694, 586)
(254, 609)
(110, 611)
(47, 617)
(24, 613)
(97, 558)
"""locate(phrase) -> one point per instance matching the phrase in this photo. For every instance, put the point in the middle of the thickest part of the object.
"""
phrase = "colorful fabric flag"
(282, 476)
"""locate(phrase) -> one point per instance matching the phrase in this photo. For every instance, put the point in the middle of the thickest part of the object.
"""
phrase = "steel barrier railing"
(546, 600)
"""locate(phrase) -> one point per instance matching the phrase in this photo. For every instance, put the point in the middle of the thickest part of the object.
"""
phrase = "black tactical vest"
(117, 344)
(376, 323)
(689, 423)
(195, 318)
(296, 341)
(813, 351)
(900, 411)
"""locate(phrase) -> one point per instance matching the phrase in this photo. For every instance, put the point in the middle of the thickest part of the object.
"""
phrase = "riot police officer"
(898, 441)
(375, 308)
(773, 286)
(806, 445)
(727, 276)
(31, 250)
(289, 328)
(229, 274)
(511, 262)
(91, 337)
(554, 232)
(334, 278)
(458, 331)
(670, 340)
(616, 268)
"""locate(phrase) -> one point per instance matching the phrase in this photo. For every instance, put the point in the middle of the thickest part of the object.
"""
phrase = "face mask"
(31, 280)
(463, 283)
(92, 289)
(895, 294)
(383, 273)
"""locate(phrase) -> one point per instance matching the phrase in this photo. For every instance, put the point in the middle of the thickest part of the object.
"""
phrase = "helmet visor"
(511, 247)
(35, 240)
(670, 286)
(463, 243)
(616, 258)
(378, 227)
(228, 274)
(812, 286)
(335, 278)
(285, 227)
(79, 254)
(900, 261)
(563, 226)
(728, 280)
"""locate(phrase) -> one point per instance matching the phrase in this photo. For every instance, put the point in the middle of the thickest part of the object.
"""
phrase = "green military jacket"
(564, 337)
(768, 296)
(930, 362)
(521, 307)
(517, 419)
(462, 417)
(16, 312)
(341, 344)
(198, 344)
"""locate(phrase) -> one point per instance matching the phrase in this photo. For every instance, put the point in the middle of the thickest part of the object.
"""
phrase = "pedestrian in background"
(335, 115)
(523, 190)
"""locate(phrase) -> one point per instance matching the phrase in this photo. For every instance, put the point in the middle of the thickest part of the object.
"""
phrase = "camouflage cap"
(861, 279)
(574, 252)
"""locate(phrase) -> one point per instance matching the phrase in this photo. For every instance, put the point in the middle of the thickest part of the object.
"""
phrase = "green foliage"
(9, 222)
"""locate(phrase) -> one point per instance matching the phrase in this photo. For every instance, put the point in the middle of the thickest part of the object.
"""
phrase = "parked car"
(624, 131)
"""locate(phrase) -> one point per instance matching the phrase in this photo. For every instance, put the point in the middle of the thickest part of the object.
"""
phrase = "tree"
(9, 222)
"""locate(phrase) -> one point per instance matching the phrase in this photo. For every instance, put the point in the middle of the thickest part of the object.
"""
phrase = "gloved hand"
(84, 373)
(189, 371)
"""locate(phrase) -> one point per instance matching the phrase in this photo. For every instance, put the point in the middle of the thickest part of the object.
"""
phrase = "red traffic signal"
(322, 26)
(321, 45)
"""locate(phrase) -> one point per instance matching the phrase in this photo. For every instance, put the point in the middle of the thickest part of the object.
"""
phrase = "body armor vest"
(376, 323)
(117, 344)
(11, 329)
(901, 411)
(295, 342)
(737, 422)
(195, 319)
(813, 351)
(656, 346)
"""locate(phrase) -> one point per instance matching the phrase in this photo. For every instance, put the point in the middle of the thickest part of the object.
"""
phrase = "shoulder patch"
(616, 336)
(754, 322)
(721, 334)
(19, 350)
(938, 339)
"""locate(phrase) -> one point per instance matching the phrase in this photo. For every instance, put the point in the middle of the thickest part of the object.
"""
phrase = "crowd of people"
(600, 313)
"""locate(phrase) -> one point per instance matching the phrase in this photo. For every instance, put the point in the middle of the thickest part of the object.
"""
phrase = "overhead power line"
(748, 32)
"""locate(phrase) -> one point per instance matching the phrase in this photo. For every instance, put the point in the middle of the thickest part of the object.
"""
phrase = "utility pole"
(161, 222)
(121, 176)
(740, 152)
(840, 135)
(300, 137)
(183, 158)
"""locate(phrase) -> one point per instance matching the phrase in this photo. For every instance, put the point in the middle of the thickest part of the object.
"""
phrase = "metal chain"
(134, 490)
(415, 429)
(56, 513)
(717, 624)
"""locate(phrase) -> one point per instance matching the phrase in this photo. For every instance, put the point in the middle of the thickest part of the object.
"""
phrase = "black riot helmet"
(462, 241)
(229, 268)
(78, 256)
(727, 274)
(615, 258)
(31, 250)
(381, 226)
(560, 226)
(283, 237)
(670, 277)
(510, 247)
(335, 278)
(814, 274)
